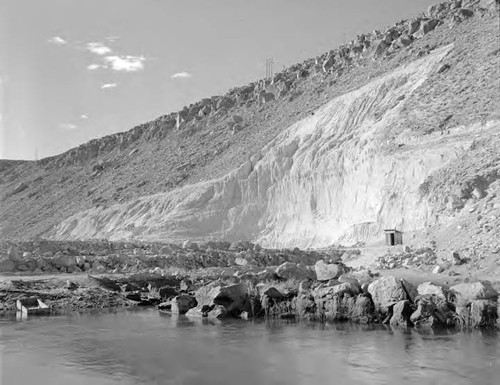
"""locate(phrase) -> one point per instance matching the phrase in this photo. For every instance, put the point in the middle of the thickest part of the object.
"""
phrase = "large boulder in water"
(232, 298)
(386, 291)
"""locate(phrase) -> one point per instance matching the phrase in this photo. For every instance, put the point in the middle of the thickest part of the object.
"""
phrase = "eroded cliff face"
(341, 175)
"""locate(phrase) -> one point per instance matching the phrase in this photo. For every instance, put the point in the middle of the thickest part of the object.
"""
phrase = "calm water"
(146, 347)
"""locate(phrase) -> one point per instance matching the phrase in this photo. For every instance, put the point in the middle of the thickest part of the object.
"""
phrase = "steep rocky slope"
(400, 128)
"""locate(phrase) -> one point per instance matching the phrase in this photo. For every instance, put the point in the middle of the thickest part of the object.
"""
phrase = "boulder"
(14, 254)
(270, 297)
(233, 298)
(386, 291)
(380, 47)
(237, 119)
(225, 103)
(7, 266)
(274, 293)
(183, 303)
(475, 290)
(403, 41)
(353, 281)
(464, 13)
(413, 26)
(305, 286)
(426, 27)
(431, 312)
(434, 11)
(363, 310)
(339, 290)
(167, 292)
(480, 313)
(269, 274)
(64, 261)
(290, 270)
(401, 314)
(327, 271)
(455, 259)
(427, 288)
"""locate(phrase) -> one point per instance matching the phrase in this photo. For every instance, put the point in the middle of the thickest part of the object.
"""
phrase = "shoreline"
(243, 280)
(205, 296)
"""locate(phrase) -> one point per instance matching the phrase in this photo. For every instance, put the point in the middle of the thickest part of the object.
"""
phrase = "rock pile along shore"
(241, 280)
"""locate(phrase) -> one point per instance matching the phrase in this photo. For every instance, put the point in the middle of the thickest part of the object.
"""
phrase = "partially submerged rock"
(217, 301)
(401, 314)
(183, 303)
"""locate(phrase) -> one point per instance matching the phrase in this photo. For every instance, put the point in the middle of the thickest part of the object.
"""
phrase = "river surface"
(148, 347)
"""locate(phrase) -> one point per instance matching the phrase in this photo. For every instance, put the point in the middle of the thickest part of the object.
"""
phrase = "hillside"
(399, 128)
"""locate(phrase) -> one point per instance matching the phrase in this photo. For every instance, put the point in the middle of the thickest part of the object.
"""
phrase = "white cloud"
(93, 67)
(84, 116)
(108, 85)
(68, 126)
(112, 38)
(181, 75)
(98, 48)
(126, 63)
(57, 40)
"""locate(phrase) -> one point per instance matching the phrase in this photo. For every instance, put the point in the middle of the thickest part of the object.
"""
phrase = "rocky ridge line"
(371, 46)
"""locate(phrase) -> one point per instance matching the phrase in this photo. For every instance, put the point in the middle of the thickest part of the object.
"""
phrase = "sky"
(73, 70)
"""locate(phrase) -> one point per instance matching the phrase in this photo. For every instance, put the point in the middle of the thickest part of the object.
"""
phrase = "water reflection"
(148, 347)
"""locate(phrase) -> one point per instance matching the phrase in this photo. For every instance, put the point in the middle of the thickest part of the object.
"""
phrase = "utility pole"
(269, 68)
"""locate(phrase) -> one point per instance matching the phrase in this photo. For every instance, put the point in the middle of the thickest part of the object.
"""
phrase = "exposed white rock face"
(336, 176)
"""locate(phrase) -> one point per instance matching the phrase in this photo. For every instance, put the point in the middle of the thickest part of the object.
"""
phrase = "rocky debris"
(407, 258)
(101, 257)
